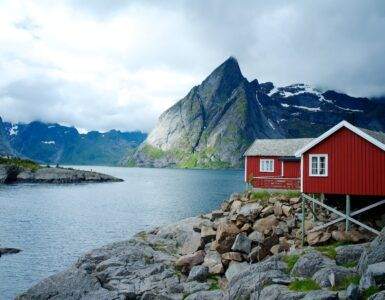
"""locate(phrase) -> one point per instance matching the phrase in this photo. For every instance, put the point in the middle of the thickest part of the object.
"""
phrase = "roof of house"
(375, 137)
(276, 147)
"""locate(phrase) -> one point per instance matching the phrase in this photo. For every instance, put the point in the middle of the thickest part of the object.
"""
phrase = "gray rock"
(352, 292)
(206, 295)
(338, 273)
(250, 210)
(214, 262)
(374, 275)
(257, 237)
(242, 244)
(277, 292)
(378, 296)
(4, 251)
(192, 287)
(235, 268)
(350, 253)
(152, 296)
(366, 281)
(192, 244)
(308, 264)
(257, 276)
(321, 295)
(374, 253)
(198, 273)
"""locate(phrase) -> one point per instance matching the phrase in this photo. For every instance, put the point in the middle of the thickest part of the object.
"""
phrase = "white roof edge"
(333, 130)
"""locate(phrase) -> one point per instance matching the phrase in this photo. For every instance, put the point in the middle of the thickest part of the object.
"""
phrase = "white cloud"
(103, 65)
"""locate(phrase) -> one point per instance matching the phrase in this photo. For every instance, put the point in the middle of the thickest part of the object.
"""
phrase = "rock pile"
(240, 251)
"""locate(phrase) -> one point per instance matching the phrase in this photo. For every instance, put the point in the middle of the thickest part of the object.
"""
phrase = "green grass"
(304, 285)
(350, 264)
(214, 282)
(262, 196)
(290, 260)
(23, 163)
(343, 285)
(330, 250)
(370, 291)
(287, 194)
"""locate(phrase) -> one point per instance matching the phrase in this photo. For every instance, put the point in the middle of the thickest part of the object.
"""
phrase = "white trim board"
(333, 130)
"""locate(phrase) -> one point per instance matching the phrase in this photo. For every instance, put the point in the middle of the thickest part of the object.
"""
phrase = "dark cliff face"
(216, 121)
(53, 143)
(5, 146)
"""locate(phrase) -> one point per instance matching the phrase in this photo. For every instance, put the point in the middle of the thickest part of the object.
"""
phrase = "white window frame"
(318, 156)
(264, 160)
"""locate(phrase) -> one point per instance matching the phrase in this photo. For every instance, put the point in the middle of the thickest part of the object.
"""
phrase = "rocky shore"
(248, 249)
(17, 174)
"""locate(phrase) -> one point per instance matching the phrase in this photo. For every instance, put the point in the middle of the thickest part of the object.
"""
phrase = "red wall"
(292, 169)
(355, 166)
(253, 166)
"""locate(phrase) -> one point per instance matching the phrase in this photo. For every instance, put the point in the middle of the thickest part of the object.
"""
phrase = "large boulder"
(350, 253)
(225, 237)
(373, 276)
(242, 244)
(198, 273)
(277, 292)
(318, 237)
(206, 295)
(192, 243)
(265, 225)
(331, 276)
(378, 296)
(190, 260)
(321, 295)
(257, 276)
(213, 261)
(308, 264)
(235, 268)
(374, 253)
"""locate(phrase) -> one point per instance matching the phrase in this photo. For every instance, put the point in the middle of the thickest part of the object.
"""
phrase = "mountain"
(217, 120)
(54, 143)
(5, 146)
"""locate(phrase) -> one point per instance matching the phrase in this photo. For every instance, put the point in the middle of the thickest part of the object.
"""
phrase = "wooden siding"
(292, 169)
(355, 166)
(253, 166)
(290, 180)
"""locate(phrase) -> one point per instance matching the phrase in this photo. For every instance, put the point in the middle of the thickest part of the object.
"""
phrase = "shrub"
(304, 285)
(290, 260)
(22, 163)
(370, 291)
(343, 285)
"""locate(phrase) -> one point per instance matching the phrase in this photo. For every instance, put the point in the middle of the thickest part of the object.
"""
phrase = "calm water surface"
(55, 224)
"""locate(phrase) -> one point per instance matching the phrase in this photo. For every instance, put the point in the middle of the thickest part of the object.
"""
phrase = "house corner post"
(303, 220)
(347, 213)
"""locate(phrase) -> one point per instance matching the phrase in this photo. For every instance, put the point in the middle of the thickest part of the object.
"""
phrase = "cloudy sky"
(108, 64)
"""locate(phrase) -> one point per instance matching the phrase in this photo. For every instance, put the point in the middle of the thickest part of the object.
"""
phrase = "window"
(266, 165)
(318, 165)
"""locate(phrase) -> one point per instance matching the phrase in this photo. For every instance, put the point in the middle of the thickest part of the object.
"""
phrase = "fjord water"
(55, 224)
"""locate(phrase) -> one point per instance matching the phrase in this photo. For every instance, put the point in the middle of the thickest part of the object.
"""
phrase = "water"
(55, 224)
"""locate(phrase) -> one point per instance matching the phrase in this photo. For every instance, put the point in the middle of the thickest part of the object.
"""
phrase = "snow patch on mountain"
(13, 130)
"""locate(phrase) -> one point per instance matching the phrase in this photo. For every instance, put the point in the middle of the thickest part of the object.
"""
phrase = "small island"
(17, 170)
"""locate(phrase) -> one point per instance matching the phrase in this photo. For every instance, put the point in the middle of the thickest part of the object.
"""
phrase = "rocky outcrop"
(4, 251)
(187, 260)
(16, 174)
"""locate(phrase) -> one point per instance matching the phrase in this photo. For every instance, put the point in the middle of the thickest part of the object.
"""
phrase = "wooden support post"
(303, 222)
(347, 212)
(313, 209)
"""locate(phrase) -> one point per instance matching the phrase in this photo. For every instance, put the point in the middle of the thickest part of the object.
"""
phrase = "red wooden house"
(345, 160)
(271, 163)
